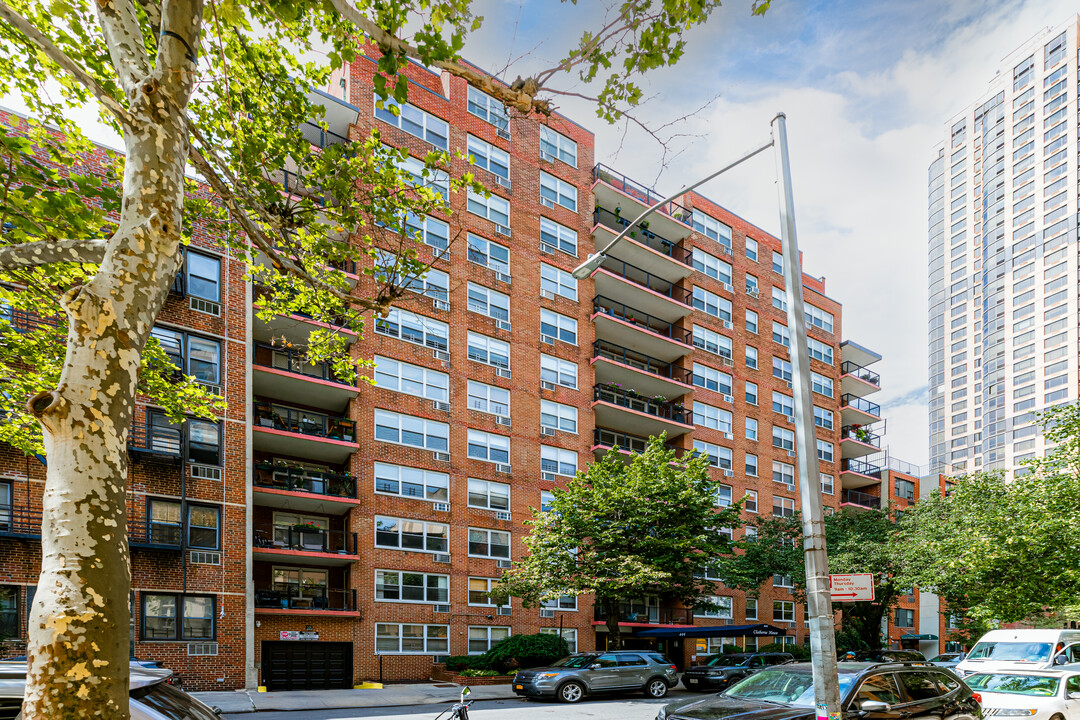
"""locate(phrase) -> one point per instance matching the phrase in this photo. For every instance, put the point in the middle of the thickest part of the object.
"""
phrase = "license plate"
(691, 681)
(519, 687)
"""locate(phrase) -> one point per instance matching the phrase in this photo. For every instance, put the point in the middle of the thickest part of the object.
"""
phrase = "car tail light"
(674, 668)
(976, 697)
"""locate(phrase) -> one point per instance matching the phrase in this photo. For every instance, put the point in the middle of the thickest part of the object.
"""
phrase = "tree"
(621, 530)
(1004, 550)
(858, 541)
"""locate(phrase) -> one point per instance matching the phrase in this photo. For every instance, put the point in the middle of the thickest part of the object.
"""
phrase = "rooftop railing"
(636, 190)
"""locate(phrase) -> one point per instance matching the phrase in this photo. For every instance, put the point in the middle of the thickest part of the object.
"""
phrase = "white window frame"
(480, 246)
(824, 418)
(566, 632)
(558, 146)
(489, 399)
(784, 402)
(712, 379)
(784, 471)
(751, 429)
(828, 484)
(819, 318)
(720, 457)
(721, 607)
(780, 334)
(491, 442)
(427, 525)
(396, 420)
(752, 325)
(401, 586)
(487, 640)
(491, 490)
(711, 266)
(723, 495)
(558, 191)
(819, 350)
(821, 384)
(558, 282)
(436, 333)
(825, 451)
(436, 485)
(487, 344)
(749, 506)
(558, 416)
(556, 370)
(560, 457)
(711, 303)
(783, 438)
(489, 533)
(490, 583)
(485, 155)
(786, 504)
(546, 499)
(493, 207)
(751, 357)
(752, 249)
(430, 641)
(489, 303)
(422, 382)
(430, 124)
(711, 228)
(786, 611)
(558, 236)
(488, 109)
(712, 417)
(561, 323)
(711, 342)
(433, 283)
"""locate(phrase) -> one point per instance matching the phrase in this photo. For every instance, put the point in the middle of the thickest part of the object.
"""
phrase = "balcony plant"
(307, 527)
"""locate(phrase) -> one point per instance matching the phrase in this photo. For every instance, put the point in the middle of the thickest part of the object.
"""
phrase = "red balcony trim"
(300, 494)
(620, 278)
(654, 251)
(322, 613)
(286, 433)
(859, 442)
(595, 359)
(853, 376)
(312, 321)
(634, 326)
(302, 376)
(284, 552)
(639, 413)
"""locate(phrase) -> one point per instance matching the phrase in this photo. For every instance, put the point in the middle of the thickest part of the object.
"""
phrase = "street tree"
(219, 88)
(622, 530)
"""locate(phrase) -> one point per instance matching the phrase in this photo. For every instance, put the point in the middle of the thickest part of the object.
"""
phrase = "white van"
(1000, 650)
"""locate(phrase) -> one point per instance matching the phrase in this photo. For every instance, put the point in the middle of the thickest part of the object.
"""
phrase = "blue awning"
(757, 630)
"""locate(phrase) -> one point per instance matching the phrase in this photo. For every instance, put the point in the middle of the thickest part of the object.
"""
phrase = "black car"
(868, 691)
(886, 656)
(719, 671)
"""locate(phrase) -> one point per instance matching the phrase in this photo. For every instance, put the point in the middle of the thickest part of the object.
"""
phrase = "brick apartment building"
(322, 533)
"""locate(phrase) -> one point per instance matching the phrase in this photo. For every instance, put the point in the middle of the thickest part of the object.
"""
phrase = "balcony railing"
(19, 522)
(304, 422)
(603, 216)
(641, 361)
(304, 539)
(860, 498)
(632, 401)
(322, 138)
(636, 190)
(24, 321)
(645, 279)
(292, 361)
(290, 596)
(849, 368)
(861, 404)
(294, 185)
(155, 440)
(155, 535)
(860, 466)
(308, 480)
(652, 615)
(615, 309)
(860, 434)
(612, 438)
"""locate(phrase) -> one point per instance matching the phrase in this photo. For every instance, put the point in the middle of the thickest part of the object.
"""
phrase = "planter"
(439, 673)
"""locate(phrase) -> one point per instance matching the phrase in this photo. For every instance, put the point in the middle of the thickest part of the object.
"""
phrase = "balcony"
(628, 410)
(295, 329)
(855, 498)
(305, 544)
(293, 599)
(857, 441)
(303, 489)
(858, 473)
(855, 410)
(629, 327)
(155, 536)
(635, 614)
(20, 523)
(616, 191)
(283, 374)
(25, 524)
(604, 440)
(639, 288)
(155, 442)
(857, 380)
(617, 364)
(285, 430)
(641, 246)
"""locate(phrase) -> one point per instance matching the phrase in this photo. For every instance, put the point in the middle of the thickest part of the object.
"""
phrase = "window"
(433, 283)
(202, 276)
(489, 302)
(558, 236)
(547, 499)
(783, 438)
(489, 447)
(710, 341)
(777, 263)
(780, 334)
(9, 610)
(398, 586)
(826, 484)
(819, 318)
(824, 451)
(204, 523)
(751, 609)
(479, 589)
(483, 638)
(751, 357)
(489, 351)
(488, 398)
(782, 581)
(166, 521)
(558, 416)
(203, 445)
(413, 431)
(712, 304)
(781, 403)
(160, 613)
(751, 429)
(558, 461)
(752, 286)
(419, 175)
(819, 350)
(412, 535)
(722, 494)
(413, 328)
(490, 254)
(414, 121)
(718, 456)
(488, 494)
(488, 109)
(717, 606)
(489, 544)
(411, 379)
(710, 379)
(712, 228)
(750, 502)
(196, 356)
(410, 482)
(557, 282)
(712, 266)
(783, 611)
(558, 372)
(905, 618)
(781, 369)
(751, 249)
(782, 506)
(412, 639)
(779, 299)
(570, 636)
(557, 326)
(557, 192)
(823, 418)
(487, 156)
(821, 384)
(494, 208)
(751, 393)
(751, 321)
(557, 145)
(712, 417)
(563, 602)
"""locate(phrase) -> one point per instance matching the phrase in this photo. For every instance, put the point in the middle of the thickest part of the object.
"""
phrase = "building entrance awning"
(912, 636)
(757, 630)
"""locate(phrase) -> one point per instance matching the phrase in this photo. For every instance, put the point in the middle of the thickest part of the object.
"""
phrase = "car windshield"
(172, 703)
(1041, 685)
(574, 661)
(785, 686)
(948, 657)
(1012, 651)
(725, 661)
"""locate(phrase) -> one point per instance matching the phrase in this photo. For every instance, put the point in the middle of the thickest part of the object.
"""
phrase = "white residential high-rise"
(1003, 260)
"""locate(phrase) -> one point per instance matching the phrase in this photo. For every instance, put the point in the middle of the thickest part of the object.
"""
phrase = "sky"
(867, 87)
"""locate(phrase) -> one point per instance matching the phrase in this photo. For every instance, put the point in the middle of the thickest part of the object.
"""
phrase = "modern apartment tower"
(1003, 261)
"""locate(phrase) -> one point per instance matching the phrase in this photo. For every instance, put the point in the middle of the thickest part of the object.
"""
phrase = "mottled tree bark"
(611, 608)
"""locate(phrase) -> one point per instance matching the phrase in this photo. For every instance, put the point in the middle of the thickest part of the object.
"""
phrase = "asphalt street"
(616, 708)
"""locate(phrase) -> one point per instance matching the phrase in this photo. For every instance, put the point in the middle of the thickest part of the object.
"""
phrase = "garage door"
(306, 665)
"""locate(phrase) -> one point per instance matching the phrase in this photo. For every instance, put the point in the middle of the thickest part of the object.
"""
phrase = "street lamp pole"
(819, 599)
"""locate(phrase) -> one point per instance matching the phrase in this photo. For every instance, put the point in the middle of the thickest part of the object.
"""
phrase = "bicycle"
(460, 709)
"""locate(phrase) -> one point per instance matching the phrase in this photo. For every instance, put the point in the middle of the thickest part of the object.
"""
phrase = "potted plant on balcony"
(861, 433)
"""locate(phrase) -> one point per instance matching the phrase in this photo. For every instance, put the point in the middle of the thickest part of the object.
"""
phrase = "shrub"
(799, 652)
(729, 649)
(458, 663)
(525, 651)
(479, 673)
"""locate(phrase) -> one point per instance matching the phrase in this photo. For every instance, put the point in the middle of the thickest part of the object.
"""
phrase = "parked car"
(1035, 694)
(573, 678)
(868, 691)
(719, 671)
(949, 660)
(1006, 650)
(152, 698)
(885, 656)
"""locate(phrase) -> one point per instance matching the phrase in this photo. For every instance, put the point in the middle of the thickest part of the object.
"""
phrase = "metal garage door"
(288, 665)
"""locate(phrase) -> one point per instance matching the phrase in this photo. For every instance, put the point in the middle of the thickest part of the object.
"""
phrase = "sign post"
(856, 587)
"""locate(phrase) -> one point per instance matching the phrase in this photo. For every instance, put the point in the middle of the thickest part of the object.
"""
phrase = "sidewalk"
(392, 695)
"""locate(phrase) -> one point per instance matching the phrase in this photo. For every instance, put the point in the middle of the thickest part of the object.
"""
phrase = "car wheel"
(572, 692)
(656, 688)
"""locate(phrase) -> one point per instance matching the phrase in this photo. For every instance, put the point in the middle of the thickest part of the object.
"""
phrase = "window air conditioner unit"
(440, 507)
(502, 468)
(729, 473)
(441, 355)
(503, 564)
(727, 361)
(752, 292)
(726, 324)
(728, 398)
(212, 389)
(547, 613)
(204, 306)
(443, 558)
(502, 420)
(547, 203)
(440, 456)
(502, 515)
(550, 432)
(547, 339)
(202, 649)
(502, 372)
(439, 405)
(502, 277)
(502, 230)
(202, 557)
(546, 156)
(503, 133)
(547, 294)
(441, 608)
(791, 453)
(727, 287)
(205, 472)
(550, 477)
(547, 385)
(727, 436)
(503, 325)
(502, 182)
(440, 305)
(546, 249)
(505, 610)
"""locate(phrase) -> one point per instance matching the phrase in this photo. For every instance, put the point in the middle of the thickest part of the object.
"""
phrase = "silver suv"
(574, 677)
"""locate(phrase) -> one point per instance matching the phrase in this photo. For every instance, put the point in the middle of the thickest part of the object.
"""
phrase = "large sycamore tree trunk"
(611, 610)
(79, 623)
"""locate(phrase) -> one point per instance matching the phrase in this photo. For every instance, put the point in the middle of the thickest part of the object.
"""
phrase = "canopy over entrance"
(756, 630)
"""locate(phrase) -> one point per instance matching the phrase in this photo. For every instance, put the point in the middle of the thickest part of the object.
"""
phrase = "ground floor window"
(569, 635)
(161, 612)
(9, 611)
(412, 639)
(482, 638)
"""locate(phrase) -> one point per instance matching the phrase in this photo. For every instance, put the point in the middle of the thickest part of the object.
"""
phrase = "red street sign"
(852, 588)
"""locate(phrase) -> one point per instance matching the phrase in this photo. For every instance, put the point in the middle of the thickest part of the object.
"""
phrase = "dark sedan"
(868, 691)
(719, 671)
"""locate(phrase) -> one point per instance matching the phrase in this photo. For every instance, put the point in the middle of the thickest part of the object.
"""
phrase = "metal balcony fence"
(860, 498)
(860, 466)
(293, 596)
(295, 361)
(648, 614)
(304, 538)
(636, 190)
(615, 309)
(318, 482)
(849, 368)
(641, 361)
(861, 404)
(605, 217)
(646, 279)
(305, 422)
(631, 400)
(860, 434)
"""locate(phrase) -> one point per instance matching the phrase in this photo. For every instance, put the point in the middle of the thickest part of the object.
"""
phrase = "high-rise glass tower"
(1003, 260)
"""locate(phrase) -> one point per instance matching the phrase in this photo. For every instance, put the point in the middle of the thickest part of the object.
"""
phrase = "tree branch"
(124, 38)
(49, 252)
(178, 47)
(58, 56)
